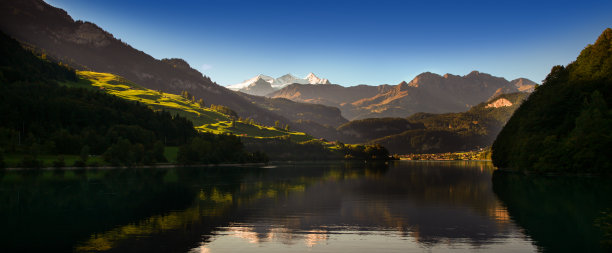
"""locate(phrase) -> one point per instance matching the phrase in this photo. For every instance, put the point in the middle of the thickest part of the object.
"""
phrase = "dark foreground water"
(304, 207)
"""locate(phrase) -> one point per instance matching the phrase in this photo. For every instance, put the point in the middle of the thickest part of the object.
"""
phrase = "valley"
(192, 126)
(264, 106)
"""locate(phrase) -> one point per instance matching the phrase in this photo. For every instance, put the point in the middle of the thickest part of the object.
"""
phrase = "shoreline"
(169, 165)
(446, 160)
(156, 166)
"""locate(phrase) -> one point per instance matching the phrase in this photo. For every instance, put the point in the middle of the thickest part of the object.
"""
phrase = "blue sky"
(353, 42)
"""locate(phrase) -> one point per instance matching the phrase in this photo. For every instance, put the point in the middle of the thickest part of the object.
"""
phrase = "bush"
(79, 163)
(59, 163)
(29, 161)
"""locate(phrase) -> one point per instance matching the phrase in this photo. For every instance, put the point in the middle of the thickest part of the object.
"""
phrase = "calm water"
(304, 207)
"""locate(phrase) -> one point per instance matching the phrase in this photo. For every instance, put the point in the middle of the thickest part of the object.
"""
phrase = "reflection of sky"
(241, 238)
(347, 212)
(277, 235)
(492, 233)
(417, 206)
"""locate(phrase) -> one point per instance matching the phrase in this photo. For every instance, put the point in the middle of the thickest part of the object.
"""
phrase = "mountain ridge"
(427, 92)
(256, 85)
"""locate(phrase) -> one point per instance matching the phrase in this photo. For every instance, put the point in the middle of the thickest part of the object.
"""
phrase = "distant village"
(480, 154)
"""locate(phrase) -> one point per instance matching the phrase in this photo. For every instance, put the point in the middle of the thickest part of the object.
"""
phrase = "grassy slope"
(204, 119)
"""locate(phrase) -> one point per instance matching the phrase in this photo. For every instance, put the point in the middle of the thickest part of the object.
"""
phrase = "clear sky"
(353, 42)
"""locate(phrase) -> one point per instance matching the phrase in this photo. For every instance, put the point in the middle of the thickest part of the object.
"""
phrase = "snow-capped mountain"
(256, 85)
(248, 82)
(312, 79)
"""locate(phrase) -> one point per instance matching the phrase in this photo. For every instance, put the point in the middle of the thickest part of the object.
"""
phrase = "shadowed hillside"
(566, 124)
(295, 111)
(433, 133)
(84, 45)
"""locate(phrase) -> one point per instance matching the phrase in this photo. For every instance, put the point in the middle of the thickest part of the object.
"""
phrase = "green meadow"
(205, 119)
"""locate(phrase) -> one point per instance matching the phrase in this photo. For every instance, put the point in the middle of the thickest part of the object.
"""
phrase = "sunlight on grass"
(204, 119)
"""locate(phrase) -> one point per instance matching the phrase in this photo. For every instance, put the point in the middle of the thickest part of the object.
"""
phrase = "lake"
(402, 206)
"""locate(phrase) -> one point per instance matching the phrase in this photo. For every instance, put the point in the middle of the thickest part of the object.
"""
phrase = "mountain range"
(262, 85)
(310, 104)
(428, 92)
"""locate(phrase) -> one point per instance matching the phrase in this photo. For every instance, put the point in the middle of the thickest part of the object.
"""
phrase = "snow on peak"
(247, 83)
(288, 79)
(280, 82)
(313, 79)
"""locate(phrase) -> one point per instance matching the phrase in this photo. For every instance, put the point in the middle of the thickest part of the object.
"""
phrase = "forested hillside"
(364, 130)
(432, 133)
(41, 117)
(86, 46)
(566, 124)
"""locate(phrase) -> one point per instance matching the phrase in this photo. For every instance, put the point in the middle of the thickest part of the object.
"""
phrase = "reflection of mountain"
(559, 213)
(433, 202)
(305, 205)
(298, 205)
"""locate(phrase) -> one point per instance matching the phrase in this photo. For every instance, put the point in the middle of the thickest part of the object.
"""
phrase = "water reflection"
(431, 203)
(561, 213)
(361, 207)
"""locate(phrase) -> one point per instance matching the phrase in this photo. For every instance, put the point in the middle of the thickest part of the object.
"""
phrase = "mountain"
(262, 85)
(428, 92)
(433, 133)
(364, 130)
(85, 46)
(258, 86)
(524, 85)
(566, 124)
(296, 111)
(312, 79)
(331, 95)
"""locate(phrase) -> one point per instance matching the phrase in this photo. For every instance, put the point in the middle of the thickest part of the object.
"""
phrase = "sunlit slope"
(204, 119)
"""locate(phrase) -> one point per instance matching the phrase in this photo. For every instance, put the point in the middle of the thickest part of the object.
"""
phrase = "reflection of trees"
(559, 213)
(430, 201)
(52, 210)
(213, 206)
(215, 201)
(157, 209)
